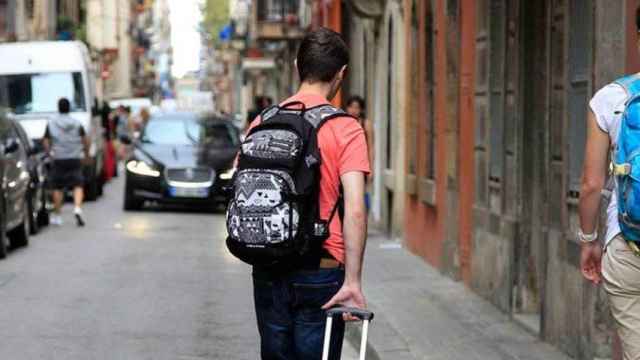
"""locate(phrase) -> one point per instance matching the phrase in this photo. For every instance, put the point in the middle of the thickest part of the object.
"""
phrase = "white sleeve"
(605, 103)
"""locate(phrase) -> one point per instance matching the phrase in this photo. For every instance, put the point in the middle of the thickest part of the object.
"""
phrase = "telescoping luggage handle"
(364, 315)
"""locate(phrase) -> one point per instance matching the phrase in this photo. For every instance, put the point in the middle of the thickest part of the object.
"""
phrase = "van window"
(39, 93)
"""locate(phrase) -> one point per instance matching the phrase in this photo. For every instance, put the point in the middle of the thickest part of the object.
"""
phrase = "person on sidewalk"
(616, 261)
(67, 144)
(356, 107)
(290, 305)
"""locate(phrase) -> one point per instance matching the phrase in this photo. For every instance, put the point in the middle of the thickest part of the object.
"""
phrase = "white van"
(35, 75)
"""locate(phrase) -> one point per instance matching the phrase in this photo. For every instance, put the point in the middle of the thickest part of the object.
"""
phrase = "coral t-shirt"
(343, 148)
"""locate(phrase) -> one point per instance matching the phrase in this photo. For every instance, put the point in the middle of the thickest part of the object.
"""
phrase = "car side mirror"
(11, 146)
(125, 139)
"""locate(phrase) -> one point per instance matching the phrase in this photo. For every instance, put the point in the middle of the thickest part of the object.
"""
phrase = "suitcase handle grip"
(359, 313)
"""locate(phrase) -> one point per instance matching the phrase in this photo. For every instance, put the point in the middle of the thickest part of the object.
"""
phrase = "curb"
(384, 341)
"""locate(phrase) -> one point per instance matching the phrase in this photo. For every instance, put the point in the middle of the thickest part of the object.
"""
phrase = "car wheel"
(20, 235)
(131, 202)
(34, 227)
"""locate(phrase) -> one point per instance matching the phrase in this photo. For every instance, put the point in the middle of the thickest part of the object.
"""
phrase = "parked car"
(15, 208)
(31, 83)
(181, 158)
(38, 164)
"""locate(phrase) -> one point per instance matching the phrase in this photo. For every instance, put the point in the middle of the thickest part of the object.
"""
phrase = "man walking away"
(291, 299)
(68, 145)
(612, 125)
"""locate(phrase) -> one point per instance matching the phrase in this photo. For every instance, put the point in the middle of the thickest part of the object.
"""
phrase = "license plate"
(189, 192)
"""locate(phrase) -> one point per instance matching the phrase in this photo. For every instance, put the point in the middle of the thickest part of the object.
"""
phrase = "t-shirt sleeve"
(606, 103)
(353, 147)
(253, 124)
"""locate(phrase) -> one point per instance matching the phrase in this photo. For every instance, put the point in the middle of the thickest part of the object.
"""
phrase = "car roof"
(35, 57)
(174, 115)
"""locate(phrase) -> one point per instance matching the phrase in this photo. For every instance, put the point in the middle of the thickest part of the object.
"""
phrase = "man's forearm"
(355, 237)
(589, 207)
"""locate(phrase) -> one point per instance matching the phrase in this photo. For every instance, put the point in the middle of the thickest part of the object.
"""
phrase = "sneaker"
(55, 220)
(79, 220)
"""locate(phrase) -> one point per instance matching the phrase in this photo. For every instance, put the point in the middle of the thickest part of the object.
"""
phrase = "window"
(415, 91)
(580, 54)
(30, 7)
(497, 37)
(4, 23)
(429, 89)
(389, 163)
(40, 92)
(276, 10)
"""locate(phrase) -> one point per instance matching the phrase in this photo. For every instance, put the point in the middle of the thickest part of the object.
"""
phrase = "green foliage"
(215, 16)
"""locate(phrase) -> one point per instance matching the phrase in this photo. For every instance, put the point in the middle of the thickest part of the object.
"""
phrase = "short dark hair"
(64, 106)
(357, 99)
(321, 55)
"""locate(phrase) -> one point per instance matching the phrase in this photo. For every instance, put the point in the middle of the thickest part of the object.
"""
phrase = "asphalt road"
(155, 284)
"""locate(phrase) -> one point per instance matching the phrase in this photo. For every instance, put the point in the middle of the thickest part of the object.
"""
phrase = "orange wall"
(424, 224)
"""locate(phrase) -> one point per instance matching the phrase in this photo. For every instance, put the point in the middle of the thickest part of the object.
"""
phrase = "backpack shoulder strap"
(269, 112)
(319, 115)
(630, 83)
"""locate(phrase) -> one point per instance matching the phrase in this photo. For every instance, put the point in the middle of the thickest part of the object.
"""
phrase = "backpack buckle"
(621, 169)
(634, 247)
(321, 229)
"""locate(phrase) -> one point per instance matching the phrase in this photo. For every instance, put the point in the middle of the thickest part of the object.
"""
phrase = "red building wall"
(467, 130)
(425, 224)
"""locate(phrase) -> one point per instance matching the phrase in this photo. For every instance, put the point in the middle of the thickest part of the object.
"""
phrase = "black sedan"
(181, 158)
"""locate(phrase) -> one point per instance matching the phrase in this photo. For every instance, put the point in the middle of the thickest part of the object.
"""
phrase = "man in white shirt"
(619, 268)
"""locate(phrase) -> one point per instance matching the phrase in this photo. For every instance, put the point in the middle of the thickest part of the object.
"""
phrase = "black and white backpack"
(273, 215)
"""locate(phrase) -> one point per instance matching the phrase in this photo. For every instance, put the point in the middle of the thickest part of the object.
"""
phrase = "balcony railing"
(278, 10)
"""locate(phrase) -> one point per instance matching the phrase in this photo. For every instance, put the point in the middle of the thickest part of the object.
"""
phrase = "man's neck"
(316, 88)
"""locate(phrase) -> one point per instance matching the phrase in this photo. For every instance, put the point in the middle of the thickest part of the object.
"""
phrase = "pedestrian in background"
(356, 107)
(259, 104)
(123, 129)
(66, 142)
(290, 305)
(619, 268)
(144, 118)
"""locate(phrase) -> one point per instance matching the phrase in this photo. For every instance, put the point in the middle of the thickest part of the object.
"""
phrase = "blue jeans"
(290, 319)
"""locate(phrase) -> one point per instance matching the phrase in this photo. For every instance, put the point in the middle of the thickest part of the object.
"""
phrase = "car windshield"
(217, 135)
(186, 130)
(39, 93)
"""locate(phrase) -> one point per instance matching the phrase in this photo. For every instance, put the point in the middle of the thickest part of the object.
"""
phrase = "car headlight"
(142, 168)
(227, 175)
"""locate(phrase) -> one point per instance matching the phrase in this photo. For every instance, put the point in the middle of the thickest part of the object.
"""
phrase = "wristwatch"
(587, 238)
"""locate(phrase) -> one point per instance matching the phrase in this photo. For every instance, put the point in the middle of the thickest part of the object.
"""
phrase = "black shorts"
(66, 174)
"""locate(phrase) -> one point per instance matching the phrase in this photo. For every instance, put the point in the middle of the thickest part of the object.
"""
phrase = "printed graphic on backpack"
(273, 215)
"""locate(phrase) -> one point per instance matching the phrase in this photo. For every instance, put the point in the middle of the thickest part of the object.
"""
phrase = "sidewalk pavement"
(421, 314)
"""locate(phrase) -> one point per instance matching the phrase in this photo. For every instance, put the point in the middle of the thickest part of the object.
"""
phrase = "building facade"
(497, 99)
(22, 20)
(108, 24)
(479, 109)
